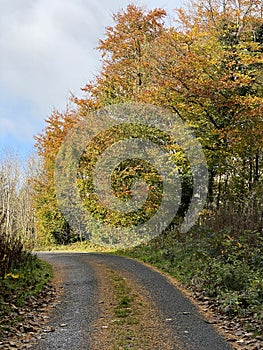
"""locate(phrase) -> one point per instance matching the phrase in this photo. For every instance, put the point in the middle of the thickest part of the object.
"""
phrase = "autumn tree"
(127, 69)
(206, 69)
(51, 224)
(125, 52)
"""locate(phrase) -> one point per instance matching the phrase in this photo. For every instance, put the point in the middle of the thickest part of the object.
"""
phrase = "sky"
(48, 51)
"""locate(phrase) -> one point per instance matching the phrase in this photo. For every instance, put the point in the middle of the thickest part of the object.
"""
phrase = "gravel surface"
(72, 319)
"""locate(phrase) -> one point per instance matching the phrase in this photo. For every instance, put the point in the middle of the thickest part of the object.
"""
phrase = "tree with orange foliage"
(51, 225)
(125, 52)
(207, 69)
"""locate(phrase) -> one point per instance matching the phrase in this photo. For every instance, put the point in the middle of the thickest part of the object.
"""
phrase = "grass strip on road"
(128, 318)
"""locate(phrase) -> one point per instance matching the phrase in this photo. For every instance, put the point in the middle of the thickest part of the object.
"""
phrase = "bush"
(228, 269)
(23, 281)
(10, 251)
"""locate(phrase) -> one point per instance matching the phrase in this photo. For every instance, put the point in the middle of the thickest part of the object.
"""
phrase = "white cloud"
(6, 124)
(47, 50)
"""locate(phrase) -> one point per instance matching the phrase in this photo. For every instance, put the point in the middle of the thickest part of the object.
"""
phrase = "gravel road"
(73, 317)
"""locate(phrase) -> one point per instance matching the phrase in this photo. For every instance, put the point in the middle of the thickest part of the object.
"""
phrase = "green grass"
(124, 297)
(20, 284)
(84, 246)
(126, 311)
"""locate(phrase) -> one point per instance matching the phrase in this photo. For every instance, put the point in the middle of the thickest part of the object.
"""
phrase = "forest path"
(112, 302)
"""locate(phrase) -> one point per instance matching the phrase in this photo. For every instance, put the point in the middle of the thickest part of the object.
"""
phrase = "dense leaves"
(206, 68)
(51, 225)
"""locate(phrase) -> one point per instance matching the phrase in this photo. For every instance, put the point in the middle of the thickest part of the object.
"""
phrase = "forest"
(205, 67)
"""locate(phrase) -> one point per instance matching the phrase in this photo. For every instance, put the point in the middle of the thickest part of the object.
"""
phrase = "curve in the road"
(79, 304)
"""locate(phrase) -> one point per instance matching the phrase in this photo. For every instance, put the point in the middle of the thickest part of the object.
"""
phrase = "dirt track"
(174, 322)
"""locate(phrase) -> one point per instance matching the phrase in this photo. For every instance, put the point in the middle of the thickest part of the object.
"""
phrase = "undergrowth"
(225, 268)
(23, 281)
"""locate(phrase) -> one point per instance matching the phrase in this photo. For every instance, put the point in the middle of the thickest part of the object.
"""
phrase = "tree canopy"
(206, 67)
